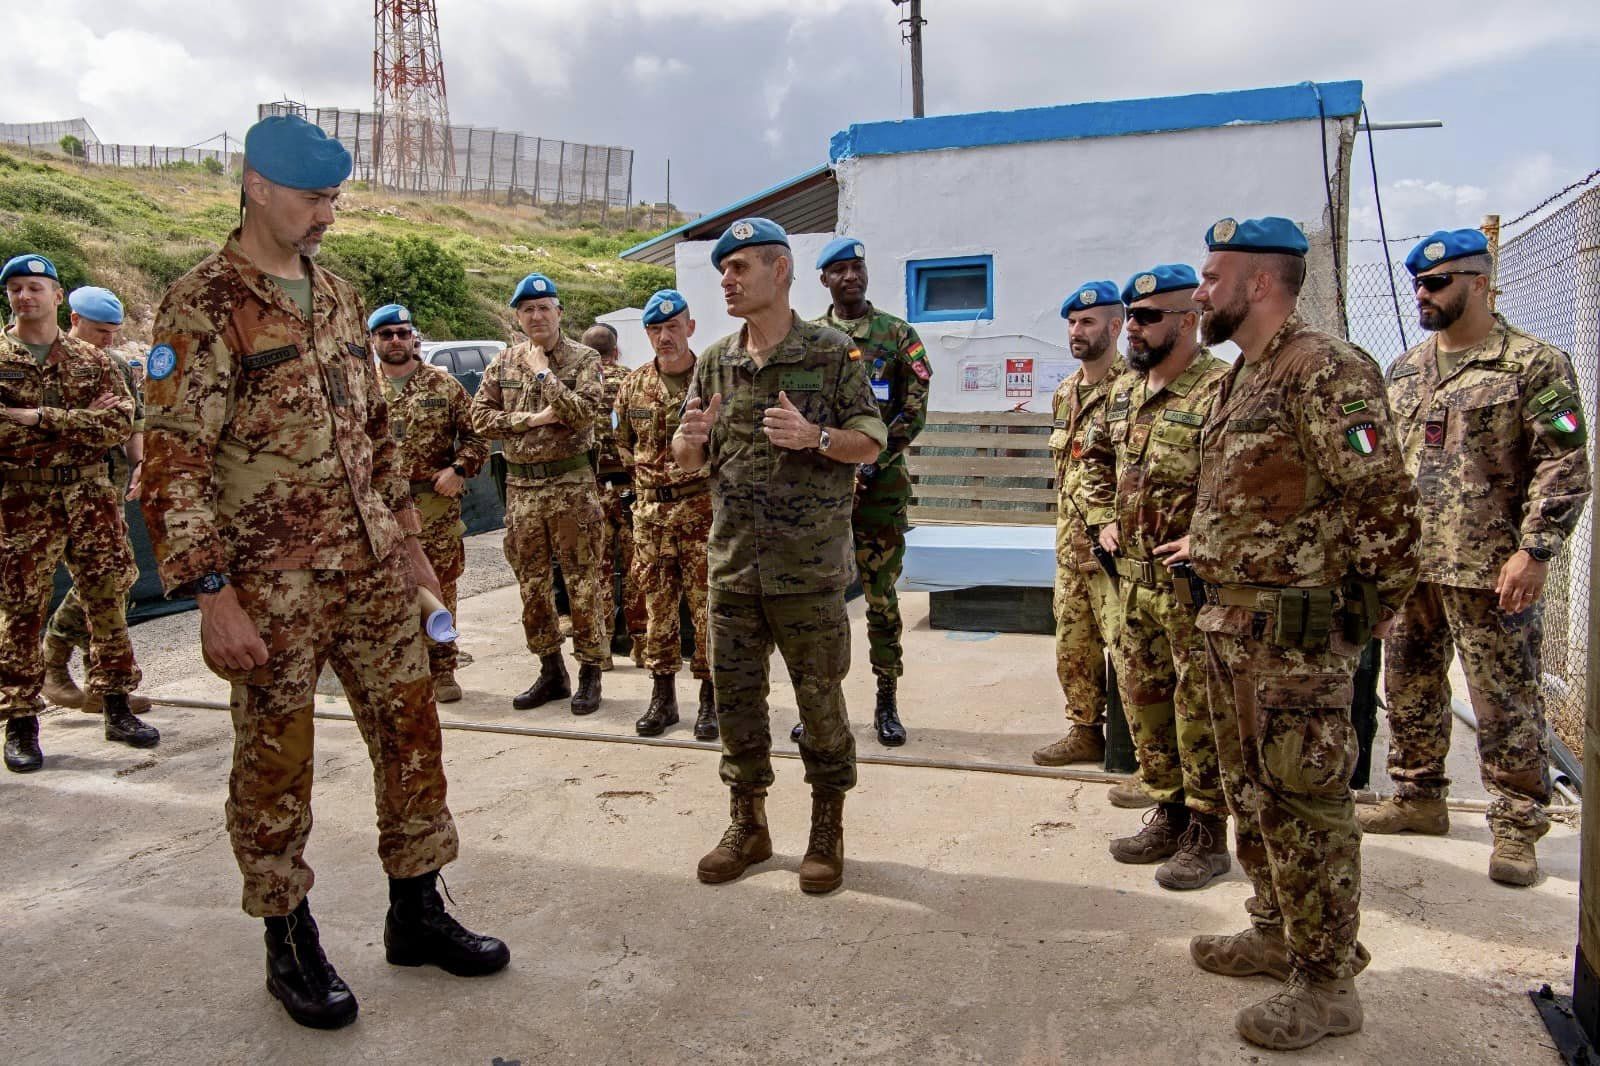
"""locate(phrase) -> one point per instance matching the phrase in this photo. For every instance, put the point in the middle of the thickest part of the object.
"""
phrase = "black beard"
(1144, 358)
(1220, 323)
(1437, 318)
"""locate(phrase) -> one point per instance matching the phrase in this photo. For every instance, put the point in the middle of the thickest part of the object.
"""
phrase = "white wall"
(631, 339)
(1053, 215)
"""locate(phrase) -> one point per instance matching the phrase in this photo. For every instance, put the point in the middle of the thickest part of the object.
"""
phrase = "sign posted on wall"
(1019, 378)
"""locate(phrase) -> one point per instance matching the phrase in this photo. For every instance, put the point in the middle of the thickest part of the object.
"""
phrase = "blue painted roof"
(1114, 118)
(732, 209)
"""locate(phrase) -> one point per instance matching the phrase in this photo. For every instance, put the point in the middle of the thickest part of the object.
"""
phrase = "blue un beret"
(1091, 294)
(1270, 234)
(666, 304)
(533, 287)
(28, 266)
(840, 249)
(1167, 277)
(388, 315)
(746, 233)
(289, 151)
(1445, 245)
(96, 304)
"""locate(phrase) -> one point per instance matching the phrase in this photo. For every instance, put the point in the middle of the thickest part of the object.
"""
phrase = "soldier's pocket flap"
(1486, 396)
(1309, 690)
(1177, 434)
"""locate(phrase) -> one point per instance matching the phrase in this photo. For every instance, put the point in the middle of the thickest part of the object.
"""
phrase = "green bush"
(212, 165)
(415, 271)
(37, 194)
(642, 282)
(39, 236)
(72, 146)
(164, 264)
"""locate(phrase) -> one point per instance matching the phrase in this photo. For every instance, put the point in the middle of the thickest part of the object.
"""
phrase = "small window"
(468, 359)
(950, 290)
(444, 359)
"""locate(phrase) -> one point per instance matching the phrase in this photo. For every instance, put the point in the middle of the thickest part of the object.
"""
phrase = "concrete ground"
(981, 918)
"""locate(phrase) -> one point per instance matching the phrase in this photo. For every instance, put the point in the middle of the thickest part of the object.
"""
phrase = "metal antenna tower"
(411, 143)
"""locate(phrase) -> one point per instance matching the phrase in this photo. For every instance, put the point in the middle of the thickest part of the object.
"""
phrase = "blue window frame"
(957, 289)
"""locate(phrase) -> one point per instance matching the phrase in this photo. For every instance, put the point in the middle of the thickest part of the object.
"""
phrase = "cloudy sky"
(740, 94)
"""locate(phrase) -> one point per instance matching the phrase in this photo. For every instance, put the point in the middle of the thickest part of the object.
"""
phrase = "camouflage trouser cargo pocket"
(1307, 742)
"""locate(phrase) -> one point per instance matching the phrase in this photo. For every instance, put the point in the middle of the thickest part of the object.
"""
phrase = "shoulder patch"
(161, 362)
(855, 354)
(1354, 407)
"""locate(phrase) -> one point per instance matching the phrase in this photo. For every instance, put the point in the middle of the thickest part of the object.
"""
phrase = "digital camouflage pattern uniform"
(780, 552)
(671, 518)
(269, 459)
(1086, 608)
(57, 503)
(899, 373)
(1301, 488)
(1139, 470)
(553, 511)
(616, 500)
(430, 418)
(1496, 444)
(69, 623)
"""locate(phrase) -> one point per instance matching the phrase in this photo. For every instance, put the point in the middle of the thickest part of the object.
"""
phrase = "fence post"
(1491, 230)
(538, 158)
(516, 155)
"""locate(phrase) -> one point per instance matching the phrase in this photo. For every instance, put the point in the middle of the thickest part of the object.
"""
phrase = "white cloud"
(649, 68)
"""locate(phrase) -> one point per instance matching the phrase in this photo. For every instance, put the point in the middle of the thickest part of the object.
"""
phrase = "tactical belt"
(555, 467)
(1143, 572)
(1303, 617)
(52, 475)
(670, 493)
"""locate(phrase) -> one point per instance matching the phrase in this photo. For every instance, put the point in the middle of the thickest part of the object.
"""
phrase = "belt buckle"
(664, 494)
(1213, 595)
(63, 475)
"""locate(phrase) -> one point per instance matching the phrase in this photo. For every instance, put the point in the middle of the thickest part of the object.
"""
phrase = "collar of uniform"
(849, 326)
(16, 349)
(256, 280)
(655, 364)
(1099, 388)
(1489, 350)
(1292, 327)
(791, 349)
(1185, 382)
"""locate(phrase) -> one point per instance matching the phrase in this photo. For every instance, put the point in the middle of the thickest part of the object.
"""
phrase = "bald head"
(603, 339)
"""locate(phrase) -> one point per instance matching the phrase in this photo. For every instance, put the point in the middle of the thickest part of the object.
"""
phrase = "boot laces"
(431, 908)
(294, 932)
(1297, 987)
(1196, 838)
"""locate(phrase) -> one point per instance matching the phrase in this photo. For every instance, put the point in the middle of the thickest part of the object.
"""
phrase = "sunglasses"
(1149, 316)
(393, 334)
(1441, 281)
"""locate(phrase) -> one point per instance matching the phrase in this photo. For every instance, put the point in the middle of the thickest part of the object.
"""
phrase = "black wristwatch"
(460, 470)
(1544, 555)
(211, 584)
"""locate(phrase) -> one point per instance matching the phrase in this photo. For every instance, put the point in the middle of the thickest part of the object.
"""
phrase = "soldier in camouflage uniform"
(900, 372)
(671, 515)
(274, 496)
(1085, 604)
(1493, 430)
(617, 495)
(541, 397)
(783, 411)
(1139, 469)
(430, 418)
(96, 319)
(1305, 532)
(63, 402)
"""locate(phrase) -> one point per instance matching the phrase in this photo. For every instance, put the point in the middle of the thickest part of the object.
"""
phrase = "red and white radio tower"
(412, 141)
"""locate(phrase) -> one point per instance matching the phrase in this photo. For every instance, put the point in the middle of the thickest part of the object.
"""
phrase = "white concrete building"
(978, 226)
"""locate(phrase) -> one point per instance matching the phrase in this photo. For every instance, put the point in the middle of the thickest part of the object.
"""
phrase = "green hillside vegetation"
(453, 262)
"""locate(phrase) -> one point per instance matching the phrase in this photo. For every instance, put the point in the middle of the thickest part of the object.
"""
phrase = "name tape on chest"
(800, 380)
(1184, 418)
(270, 357)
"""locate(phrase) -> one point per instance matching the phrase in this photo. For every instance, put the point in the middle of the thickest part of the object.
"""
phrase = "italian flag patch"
(1363, 438)
(1566, 421)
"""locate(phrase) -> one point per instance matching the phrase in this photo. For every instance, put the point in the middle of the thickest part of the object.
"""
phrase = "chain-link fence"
(47, 135)
(1548, 281)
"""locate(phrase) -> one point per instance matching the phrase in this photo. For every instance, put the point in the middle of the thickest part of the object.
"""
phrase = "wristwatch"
(541, 375)
(1544, 555)
(210, 584)
(460, 470)
(824, 441)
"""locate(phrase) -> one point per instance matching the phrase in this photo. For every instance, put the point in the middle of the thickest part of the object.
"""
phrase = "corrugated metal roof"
(808, 203)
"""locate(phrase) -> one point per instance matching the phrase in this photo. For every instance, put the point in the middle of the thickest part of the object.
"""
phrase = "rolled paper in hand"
(437, 623)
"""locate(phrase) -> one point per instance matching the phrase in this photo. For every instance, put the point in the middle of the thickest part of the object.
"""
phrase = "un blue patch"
(162, 362)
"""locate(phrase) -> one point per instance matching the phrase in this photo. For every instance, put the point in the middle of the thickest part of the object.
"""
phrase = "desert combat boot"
(822, 870)
(1243, 954)
(746, 841)
(1164, 825)
(1083, 743)
(1302, 1012)
(1401, 815)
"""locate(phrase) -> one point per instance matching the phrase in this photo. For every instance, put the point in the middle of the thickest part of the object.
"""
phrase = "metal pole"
(914, 34)
(669, 187)
(1585, 982)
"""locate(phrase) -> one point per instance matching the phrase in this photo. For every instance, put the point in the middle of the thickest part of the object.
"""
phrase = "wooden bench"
(983, 468)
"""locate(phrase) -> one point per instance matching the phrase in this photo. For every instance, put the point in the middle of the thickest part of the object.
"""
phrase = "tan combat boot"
(1083, 743)
(1401, 815)
(445, 689)
(1163, 827)
(1242, 954)
(1513, 862)
(1129, 795)
(746, 841)
(1202, 854)
(1302, 1012)
(822, 870)
(59, 688)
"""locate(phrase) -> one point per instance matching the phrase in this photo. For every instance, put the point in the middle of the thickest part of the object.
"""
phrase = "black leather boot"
(300, 977)
(420, 932)
(553, 684)
(663, 709)
(705, 719)
(587, 699)
(123, 727)
(22, 745)
(886, 716)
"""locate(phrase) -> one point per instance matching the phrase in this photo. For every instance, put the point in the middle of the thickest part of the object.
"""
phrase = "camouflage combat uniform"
(671, 518)
(70, 624)
(780, 549)
(1139, 470)
(1086, 608)
(57, 503)
(1301, 488)
(899, 372)
(553, 509)
(616, 500)
(430, 417)
(1497, 448)
(269, 458)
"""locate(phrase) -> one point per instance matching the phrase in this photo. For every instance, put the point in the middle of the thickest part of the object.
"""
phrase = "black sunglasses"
(394, 334)
(1149, 316)
(1441, 281)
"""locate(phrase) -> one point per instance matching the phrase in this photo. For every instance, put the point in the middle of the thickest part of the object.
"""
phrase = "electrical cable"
(1377, 198)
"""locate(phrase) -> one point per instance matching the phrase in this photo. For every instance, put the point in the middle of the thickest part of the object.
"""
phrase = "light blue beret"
(840, 249)
(1091, 294)
(1445, 245)
(388, 315)
(289, 151)
(28, 266)
(1270, 234)
(746, 233)
(533, 287)
(96, 304)
(666, 304)
(1164, 278)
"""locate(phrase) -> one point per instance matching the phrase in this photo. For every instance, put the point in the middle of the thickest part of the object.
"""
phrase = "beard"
(1093, 348)
(1221, 322)
(396, 357)
(1436, 317)
(1143, 357)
